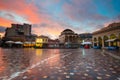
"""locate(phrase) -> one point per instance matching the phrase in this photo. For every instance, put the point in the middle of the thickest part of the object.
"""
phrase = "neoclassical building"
(107, 36)
(68, 36)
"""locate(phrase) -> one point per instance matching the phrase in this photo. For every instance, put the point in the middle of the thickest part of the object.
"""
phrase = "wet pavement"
(59, 64)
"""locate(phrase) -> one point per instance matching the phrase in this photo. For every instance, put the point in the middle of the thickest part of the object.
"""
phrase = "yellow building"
(41, 41)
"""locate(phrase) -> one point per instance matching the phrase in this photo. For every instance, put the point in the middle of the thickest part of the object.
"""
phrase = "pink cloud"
(52, 29)
(22, 8)
(30, 12)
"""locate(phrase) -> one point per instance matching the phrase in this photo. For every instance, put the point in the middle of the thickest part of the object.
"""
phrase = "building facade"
(0, 37)
(18, 32)
(107, 36)
(68, 36)
(0, 40)
(53, 43)
(41, 41)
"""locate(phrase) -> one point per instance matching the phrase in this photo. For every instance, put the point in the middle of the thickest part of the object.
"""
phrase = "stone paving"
(62, 64)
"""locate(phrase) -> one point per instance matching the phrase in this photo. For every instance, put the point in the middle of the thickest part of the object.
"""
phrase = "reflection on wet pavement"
(58, 64)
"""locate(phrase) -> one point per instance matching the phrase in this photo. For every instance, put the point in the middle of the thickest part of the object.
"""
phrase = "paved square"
(59, 64)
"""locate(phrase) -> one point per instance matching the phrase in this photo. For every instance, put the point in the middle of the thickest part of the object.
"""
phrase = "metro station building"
(107, 36)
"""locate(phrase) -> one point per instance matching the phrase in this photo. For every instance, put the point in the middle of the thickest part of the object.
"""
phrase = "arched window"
(113, 42)
(95, 41)
(105, 38)
(119, 36)
(113, 36)
(100, 41)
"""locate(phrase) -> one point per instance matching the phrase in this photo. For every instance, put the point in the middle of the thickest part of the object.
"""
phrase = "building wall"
(0, 37)
(10, 32)
(18, 31)
(41, 40)
(62, 38)
(99, 37)
(27, 29)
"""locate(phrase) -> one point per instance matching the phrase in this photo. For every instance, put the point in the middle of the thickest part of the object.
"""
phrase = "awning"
(27, 42)
(18, 42)
(33, 42)
(111, 40)
(9, 42)
(95, 42)
(86, 43)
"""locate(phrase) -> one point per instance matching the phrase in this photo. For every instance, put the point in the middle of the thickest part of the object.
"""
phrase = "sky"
(51, 17)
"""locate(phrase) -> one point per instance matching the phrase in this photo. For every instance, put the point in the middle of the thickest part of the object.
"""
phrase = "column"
(109, 43)
(97, 42)
(102, 42)
(93, 42)
(119, 39)
(68, 38)
(118, 42)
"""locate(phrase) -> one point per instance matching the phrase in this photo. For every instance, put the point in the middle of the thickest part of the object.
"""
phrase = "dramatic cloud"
(13, 17)
(47, 29)
(52, 17)
(21, 8)
(5, 22)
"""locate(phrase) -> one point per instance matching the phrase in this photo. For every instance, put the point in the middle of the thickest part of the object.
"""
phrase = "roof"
(42, 36)
(67, 30)
(111, 40)
(108, 28)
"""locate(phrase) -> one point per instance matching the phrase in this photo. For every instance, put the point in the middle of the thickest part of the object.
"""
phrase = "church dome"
(67, 31)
